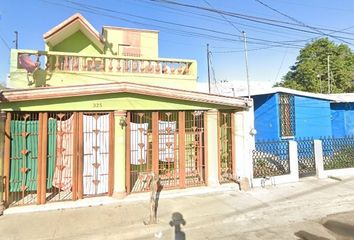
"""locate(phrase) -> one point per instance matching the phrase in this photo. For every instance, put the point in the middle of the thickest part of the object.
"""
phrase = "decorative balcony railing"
(73, 62)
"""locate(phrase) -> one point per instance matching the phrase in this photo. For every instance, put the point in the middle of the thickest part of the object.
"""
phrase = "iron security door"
(96, 153)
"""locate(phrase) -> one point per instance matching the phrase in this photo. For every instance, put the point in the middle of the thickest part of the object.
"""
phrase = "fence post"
(317, 144)
(293, 161)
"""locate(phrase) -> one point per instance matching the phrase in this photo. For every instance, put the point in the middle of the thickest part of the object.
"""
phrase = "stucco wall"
(77, 43)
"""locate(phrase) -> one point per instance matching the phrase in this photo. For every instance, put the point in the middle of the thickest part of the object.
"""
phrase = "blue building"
(282, 113)
(342, 112)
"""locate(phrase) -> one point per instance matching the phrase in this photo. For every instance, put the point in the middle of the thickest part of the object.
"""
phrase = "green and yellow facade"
(101, 112)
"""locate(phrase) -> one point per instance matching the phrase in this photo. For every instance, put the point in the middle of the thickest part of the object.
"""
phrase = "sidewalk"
(277, 212)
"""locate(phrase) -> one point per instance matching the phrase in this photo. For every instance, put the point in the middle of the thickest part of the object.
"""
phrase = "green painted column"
(2, 139)
(119, 153)
(213, 156)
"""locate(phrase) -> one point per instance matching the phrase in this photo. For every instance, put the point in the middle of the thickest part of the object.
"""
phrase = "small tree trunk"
(153, 199)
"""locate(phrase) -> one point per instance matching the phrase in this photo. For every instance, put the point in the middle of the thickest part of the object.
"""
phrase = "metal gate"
(139, 151)
(195, 166)
(57, 156)
(97, 159)
(62, 143)
(22, 167)
(306, 157)
(168, 159)
(225, 142)
(171, 144)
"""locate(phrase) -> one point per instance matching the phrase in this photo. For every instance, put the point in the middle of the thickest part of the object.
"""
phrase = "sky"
(275, 29)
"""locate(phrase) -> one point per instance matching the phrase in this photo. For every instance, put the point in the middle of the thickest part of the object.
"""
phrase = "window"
(287, 115)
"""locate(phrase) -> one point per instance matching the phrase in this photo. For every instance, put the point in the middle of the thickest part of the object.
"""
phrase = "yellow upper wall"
(76, 54)
(117, 40)
(76, 43)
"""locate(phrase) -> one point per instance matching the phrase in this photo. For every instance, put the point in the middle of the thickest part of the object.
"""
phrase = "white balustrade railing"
(72, 62)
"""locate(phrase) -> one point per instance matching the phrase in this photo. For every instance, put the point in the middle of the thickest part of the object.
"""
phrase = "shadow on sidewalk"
(339, 228)
(308, 236)
(176, 222)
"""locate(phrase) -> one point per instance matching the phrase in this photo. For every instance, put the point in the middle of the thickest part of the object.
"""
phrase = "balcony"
(63, 68)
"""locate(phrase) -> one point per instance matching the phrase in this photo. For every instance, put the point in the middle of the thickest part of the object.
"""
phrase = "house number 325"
(97, 105)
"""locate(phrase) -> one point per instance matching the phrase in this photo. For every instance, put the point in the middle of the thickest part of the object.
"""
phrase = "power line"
(4, 42)
(250, 50)
(93, 9)
(174, 31)
(183, 12)
(300, 22)
(271, 22)
(227, 20)
(317, 6)
(280, 67)
(213, 72)
(236, 14)
(176, 24)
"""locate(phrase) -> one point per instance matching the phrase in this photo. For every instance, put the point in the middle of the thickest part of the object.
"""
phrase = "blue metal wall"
(312, 117)
(342, 119)
(266, 114)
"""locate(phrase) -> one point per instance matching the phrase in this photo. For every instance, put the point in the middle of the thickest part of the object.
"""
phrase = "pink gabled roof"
(77, 17)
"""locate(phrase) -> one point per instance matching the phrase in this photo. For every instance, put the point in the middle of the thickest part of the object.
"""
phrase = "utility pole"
(16, 40)
(208, 68)
(246, 59)
(328, 75)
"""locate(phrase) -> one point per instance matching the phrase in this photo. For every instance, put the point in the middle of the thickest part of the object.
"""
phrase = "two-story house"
(95, 113)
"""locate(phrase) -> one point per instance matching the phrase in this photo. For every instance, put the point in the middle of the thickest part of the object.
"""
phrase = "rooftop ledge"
(75, 62)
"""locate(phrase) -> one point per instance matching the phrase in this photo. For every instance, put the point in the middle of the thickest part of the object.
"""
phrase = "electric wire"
(256, 41)
(261, 20)
(4, 42)
(300, 22)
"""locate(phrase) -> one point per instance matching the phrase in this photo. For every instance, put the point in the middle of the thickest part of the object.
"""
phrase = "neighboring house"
(342, 112)
(95, 114)
(282, 113)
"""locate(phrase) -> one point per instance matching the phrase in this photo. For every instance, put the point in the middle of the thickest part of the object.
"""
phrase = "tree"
(310, 72)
